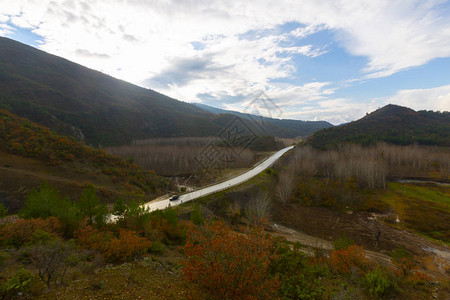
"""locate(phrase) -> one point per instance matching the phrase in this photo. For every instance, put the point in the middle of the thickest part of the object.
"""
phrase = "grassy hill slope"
(31, 154)
(393, 124)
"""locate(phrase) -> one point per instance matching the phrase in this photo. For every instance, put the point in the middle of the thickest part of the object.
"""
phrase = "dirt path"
(316, 227)
(312, 242)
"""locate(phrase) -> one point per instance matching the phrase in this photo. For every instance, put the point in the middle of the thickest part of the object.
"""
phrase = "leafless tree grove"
(258, 207)
(370, 166)
(177, 156)
(285, 186)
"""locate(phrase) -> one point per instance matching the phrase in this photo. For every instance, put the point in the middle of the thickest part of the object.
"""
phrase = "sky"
(313, 59)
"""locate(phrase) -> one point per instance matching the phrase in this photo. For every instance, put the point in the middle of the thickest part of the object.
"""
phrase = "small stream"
(422, 181)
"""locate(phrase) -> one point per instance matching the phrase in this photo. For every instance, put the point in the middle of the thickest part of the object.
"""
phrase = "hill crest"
(393, 124)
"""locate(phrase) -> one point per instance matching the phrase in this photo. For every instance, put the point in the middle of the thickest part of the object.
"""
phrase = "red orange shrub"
(125, 247)
(343, 261)
(418, 276)
(404, 267)
(23, 230)
(230, 265)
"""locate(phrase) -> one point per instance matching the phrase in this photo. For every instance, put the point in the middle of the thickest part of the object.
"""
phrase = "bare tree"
(52, 260)
(304, 161)
(378, 234)
(234, 211)
(258, 207)
(285, 186)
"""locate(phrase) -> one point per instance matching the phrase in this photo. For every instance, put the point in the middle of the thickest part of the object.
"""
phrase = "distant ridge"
(392, 124)
(276, 127)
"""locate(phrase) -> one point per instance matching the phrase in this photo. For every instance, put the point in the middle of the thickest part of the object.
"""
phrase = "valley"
(112, 190)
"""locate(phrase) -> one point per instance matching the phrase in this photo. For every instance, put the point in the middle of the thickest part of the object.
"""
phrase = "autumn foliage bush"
(124, 247)
(23, 230)
(344, 260)
(406, 268)
(229, 264)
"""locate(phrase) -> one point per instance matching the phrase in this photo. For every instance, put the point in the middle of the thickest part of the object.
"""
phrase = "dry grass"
(19, 175)
(138, 280)
(288, 142)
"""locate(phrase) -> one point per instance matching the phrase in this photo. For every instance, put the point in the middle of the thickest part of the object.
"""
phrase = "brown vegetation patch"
(19, 175)
(361, 227)
(139, 280)
(358, 226)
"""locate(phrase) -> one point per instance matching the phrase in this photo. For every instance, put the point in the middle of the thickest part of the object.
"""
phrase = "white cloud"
(302, 32)
(5, 30)
(342, 110)
(397, 35)
(140, 41)
(333, 110)
(422, 99)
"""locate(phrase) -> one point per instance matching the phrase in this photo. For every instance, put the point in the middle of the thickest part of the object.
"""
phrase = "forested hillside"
(393, 124)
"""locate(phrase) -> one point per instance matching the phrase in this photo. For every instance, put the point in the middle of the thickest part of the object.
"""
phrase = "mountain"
(283, 128)
(77, 101)
(392, 124)
(31, 154)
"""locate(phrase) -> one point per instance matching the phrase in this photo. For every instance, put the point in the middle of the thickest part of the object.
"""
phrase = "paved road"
(164, 203)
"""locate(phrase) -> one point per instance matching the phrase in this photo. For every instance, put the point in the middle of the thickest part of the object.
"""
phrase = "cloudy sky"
(317, 60)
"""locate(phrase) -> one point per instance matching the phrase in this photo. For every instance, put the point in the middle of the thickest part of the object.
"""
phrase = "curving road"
(164, 203)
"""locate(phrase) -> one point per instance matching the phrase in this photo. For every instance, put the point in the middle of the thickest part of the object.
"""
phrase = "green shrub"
(272, 172)
(196, 216)
(134, 217)
(101, 216)
(157, 248)
(40, 237)
(342, 243)
(88, 203)
(399, 254)
(3, 257)
(69, 216)
(22, 282)
(40, 204)
(48, 202)
(377, 282)
(3, 210)
(298, 279)
(170, 215)
(120, 208)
